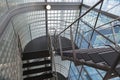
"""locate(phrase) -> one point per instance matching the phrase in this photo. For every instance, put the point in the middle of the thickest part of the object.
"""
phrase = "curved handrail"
(22, 8)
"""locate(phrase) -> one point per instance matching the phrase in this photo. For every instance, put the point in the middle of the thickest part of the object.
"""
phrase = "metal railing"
(52, 52)
(70, 29)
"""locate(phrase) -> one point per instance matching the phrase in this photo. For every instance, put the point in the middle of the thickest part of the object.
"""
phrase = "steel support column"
(46, 18)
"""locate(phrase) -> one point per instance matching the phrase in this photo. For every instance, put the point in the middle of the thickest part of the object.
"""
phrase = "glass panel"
(10, 60)
(60, 19)
(111, 6)
(92, 72)
(3, 7)
(31, 27)
(12, 3)
(64, 0)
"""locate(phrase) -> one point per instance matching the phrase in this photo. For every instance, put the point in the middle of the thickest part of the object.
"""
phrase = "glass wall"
(74, 72)
(86, 73)
(10, 57)
(95, 35)
(86, 35)
(61, 66)
(30, 26)
(58, 20)
(110, 6)
(14, 3)
(3, 7)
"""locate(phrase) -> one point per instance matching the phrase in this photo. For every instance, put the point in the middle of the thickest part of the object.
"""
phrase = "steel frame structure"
(62, 6)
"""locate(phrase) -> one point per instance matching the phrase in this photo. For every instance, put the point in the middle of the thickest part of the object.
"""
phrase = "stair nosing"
(38, 70)
(32, 64)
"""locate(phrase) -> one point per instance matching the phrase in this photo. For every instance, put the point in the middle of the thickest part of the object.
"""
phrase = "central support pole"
(46, 22)
(46, 19)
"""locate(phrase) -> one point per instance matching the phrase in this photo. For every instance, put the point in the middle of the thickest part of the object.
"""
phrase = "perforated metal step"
(38, 70)
(85, 56)
(40, 77)
(109, 57)
(36, 54)
(96, 58)
(25, 65)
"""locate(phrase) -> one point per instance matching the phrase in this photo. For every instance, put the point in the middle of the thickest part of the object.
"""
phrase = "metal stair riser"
(38, 63)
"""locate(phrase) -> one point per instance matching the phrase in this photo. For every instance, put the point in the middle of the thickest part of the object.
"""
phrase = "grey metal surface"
(37, 44)
(109, 57)
(96, 58)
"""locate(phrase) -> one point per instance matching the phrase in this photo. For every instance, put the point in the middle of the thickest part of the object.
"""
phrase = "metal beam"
(78, 20)
(95, 23)
(108, 74)
(64, 5)
(103, 12)
(91, 8)
(90, 64)
(46, 21)
(98, 32)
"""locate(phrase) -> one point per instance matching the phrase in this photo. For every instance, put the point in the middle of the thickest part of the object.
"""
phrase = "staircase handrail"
(52, 55)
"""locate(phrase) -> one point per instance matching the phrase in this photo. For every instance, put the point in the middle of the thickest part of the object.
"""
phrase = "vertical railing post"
(78, 20)
(69, 70)
(114, 37)
(60, 44)
(72, 42)
(30, 32)
(19, 45)
(52, 55)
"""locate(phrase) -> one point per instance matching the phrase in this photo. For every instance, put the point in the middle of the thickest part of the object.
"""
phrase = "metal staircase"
(99, 58)
(40, 65)
(106, 59)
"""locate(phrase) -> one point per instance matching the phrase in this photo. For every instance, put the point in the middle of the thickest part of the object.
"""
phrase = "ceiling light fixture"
(48, 7)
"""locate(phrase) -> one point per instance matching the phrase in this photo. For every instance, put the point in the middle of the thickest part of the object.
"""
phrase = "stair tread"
(68, 54)
(109, 57)
(40, 77)
(36, 54)
(38, 70)
(118, 70)
(78, 56)
(36, 63)
(96, 58)
(85, 56)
